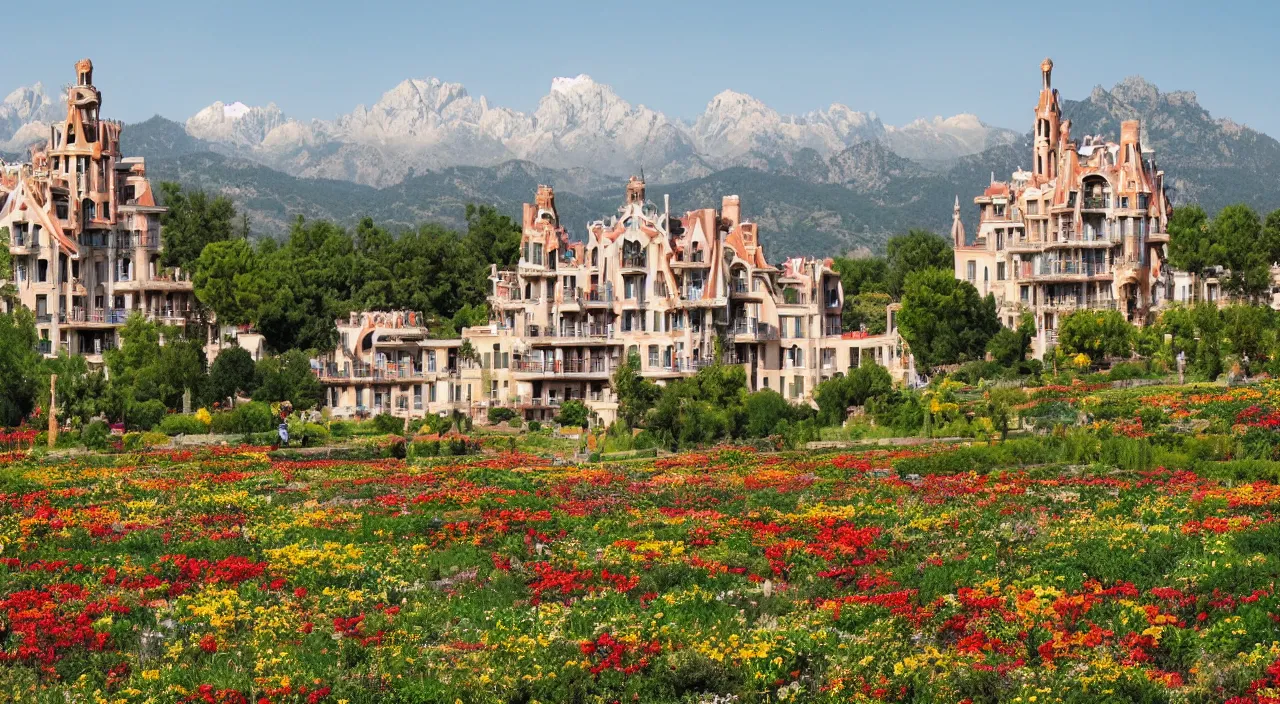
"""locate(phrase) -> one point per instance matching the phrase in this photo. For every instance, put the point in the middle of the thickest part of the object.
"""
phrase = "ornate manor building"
(84, 233)
(1084, 229)
(673, 290)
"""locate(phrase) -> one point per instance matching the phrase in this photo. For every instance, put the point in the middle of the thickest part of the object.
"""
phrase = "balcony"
(1096, 203)
(563, 367)
(1080, 303)
(1025, 245)
(528, 401)
(693, 260)
(1052, 269)
(635, 261)
(96, 347)
(95, 316)
(172, 281)
(44, 346)
(94, 239)
(752, 329)
(597, 297)
(136, 240)
(570, 296)
(790, 297)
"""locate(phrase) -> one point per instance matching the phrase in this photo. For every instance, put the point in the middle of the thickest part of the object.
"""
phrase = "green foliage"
(142, 369)
(228, 278)
(574, 413)
(1190, 239)
(387, 424)
(534, 426)
(501, 414)
(181, 424)
(835, 396)
(81, 392)
(636, 394)
(944, 320)
(95, 435)
(862, 274)
(288, 377)
(1097, 334)
(1010, 346)
(703, 409)
(252, 417)
(19, 364)
(768, 413)
(916, 251)
(192, 221)
(1244, 330)
(866, 309)
(144, 415)
(1236, 239)
(1238, 245)
(232, 373)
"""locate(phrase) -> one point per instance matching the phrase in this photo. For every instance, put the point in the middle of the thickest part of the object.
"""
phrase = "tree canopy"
(945, 320)
(193, 220)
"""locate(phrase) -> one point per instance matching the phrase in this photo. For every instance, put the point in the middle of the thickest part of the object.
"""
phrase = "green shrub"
(252, 417)
(1240, 470)
(342, 428)
(424, 448)
(1124, 371)
(501, 414)
(182, 424)
(1128, 453)
(516, 422)
(144, 415)
(313, 435)
(534, 426)
(644, 440)
(95, 435)
(387, 424)
(154, 439)
(1256, 444)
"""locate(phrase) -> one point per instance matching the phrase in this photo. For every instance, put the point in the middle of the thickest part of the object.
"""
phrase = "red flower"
(209, 644)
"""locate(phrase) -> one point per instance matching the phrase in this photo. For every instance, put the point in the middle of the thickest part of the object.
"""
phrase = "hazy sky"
(898, 58)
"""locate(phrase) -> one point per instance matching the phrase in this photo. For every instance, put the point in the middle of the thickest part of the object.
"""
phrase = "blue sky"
(900, 59)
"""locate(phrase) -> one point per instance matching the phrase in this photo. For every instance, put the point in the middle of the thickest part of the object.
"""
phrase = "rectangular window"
(999, 271)
(653, 355)
(971, 270)
(431, 393)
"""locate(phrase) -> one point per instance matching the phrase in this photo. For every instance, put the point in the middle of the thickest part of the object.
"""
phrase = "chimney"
(730, 211)
(1130, 130)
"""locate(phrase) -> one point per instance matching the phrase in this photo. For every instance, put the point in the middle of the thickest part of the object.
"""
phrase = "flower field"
(227, 576)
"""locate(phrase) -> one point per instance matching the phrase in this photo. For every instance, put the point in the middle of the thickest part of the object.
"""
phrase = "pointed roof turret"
(957, 227)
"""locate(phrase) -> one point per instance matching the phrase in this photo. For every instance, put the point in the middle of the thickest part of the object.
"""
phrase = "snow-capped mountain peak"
(428, 123)
(568, 85)
(235, 123)
(24, 113)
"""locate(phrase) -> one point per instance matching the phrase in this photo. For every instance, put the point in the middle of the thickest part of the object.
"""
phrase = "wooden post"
(53, 410)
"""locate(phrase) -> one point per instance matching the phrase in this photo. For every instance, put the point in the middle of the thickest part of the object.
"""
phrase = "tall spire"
(957, 227)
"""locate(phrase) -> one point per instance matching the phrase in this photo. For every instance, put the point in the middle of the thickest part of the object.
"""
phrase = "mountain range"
(822, 182)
